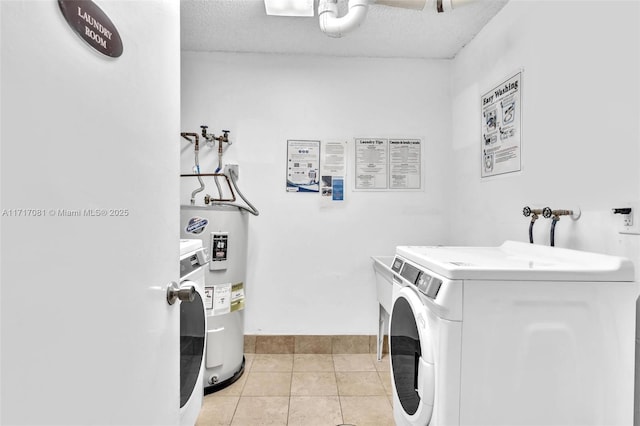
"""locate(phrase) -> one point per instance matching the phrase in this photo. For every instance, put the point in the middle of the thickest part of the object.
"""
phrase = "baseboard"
(312, 344)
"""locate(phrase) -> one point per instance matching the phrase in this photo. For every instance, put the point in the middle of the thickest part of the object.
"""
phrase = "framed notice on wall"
(303, 166)
(501, 148)
(333, 158)
(393, 164)
(371, 157)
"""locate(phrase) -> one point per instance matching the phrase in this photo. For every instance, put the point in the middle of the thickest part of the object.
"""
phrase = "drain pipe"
(335, 26)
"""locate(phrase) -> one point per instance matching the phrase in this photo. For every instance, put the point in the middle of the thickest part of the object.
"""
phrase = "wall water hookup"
(548, 213)
(534, 213)
(229, 173)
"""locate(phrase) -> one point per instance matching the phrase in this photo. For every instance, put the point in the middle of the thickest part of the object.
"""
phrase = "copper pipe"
(195, 135)
(198, 175)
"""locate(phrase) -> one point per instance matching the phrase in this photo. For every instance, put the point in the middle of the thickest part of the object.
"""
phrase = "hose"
(533, 220)
(193, 194)
(553, 230)
(251, 209)
(531, 231)
(215, 178)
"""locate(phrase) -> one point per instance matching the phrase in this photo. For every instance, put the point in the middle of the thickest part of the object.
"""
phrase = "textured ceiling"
(243, 26)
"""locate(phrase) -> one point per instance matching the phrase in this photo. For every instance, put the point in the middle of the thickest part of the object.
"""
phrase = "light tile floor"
(305, 390)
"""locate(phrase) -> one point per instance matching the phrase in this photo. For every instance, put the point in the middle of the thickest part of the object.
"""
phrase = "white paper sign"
(501, 128)
(333, 170)
(208, 297)
(221, 298)
(405, 161)
(371, 163)
(303, 166)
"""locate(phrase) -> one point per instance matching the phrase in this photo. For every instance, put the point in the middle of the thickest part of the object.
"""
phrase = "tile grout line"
(247, 371)
(335, 375)
(290, 389)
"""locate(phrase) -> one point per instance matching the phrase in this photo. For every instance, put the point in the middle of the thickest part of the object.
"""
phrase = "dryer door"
(192, 330)
(412, 360)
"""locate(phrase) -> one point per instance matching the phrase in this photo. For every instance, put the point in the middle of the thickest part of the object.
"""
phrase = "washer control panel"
(192, 262)
(426, 284)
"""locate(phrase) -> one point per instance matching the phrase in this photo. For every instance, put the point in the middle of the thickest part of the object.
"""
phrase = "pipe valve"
(528, 211)
(210, 137)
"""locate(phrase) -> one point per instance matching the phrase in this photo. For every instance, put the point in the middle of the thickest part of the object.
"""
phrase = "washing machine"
(518, 334)
(193, 326)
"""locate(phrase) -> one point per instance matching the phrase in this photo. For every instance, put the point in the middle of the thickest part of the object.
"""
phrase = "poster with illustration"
(303, 166)
(501, 144)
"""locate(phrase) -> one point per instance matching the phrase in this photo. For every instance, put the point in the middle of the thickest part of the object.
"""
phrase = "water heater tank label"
(237, 297)
(196, 225)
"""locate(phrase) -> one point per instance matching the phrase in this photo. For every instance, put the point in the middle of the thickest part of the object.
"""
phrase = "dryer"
(519, 334)
(193, 325)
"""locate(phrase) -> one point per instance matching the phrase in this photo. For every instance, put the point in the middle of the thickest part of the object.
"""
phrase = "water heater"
(223, 230)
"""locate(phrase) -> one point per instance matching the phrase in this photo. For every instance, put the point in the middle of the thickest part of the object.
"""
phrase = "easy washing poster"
(501, 142)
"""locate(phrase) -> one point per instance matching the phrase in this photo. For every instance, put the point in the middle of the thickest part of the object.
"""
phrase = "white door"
(90, 213)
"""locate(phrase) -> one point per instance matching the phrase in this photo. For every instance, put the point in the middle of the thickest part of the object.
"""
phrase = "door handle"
(185, 292)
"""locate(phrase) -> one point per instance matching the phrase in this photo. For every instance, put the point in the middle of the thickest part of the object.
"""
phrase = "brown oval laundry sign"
(92, 25)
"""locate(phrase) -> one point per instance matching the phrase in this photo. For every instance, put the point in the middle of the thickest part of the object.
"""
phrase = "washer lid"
(187, 246)
(519, 261)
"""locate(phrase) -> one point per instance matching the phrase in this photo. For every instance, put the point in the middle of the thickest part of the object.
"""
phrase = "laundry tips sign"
(92, 25)
(501, 128)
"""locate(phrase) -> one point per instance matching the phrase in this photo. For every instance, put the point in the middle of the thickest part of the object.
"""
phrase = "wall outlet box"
(628, 223)
(236, 170)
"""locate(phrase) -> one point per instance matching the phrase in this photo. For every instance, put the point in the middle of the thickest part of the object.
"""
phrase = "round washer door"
(412, 366)
(192, 332)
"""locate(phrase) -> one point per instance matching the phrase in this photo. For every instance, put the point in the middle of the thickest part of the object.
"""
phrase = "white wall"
(580, 149)
(310, 270)
(580, 124)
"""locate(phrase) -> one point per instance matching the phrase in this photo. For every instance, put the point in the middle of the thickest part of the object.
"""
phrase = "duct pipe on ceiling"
(333, 26)
(404, 4)
(439, 5)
